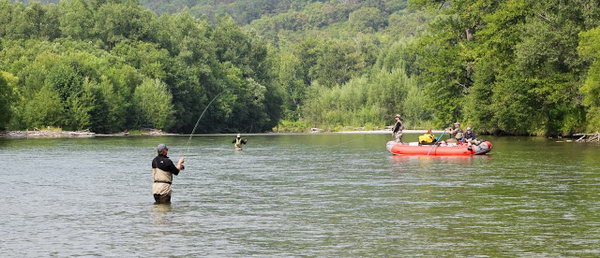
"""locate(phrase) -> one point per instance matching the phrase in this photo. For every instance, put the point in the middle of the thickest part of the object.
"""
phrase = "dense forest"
(501, 66)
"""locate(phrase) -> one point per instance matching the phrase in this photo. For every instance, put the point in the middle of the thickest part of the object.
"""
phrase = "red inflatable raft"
(440, 150)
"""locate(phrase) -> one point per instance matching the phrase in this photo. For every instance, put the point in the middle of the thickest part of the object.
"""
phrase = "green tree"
(153, 103)
(44, 109)
(6, 97)
(77, 20)
(367, 19)
(116, 21)
(589, 47)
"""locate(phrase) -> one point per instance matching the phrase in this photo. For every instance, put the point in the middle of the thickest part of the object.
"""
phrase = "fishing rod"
(198, 121)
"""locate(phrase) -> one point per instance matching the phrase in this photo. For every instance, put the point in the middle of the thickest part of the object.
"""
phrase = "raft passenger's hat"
(457, 123)
(397, 115)
(239, 135)
(468, 128)
(161, 147)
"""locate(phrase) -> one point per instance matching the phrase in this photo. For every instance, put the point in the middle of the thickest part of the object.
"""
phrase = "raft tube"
(439, 150)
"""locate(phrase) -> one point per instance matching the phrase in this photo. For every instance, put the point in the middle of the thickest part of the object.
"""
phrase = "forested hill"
(506, 66)
(109, 66)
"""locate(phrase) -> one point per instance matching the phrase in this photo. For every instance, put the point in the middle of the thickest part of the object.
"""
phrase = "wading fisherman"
(163, 170)
(397, 129)
(238, 142)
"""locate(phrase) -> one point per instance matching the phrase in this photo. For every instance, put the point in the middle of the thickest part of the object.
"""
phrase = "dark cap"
(161, 147)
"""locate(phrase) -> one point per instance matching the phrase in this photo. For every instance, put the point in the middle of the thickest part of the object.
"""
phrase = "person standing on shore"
(397, 129)
(163, 170)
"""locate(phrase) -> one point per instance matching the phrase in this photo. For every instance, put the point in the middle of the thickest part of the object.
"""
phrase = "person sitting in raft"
(456, 133)
(469, 134)
(238, 141)
(397, 129)
(163, 170)
(470, 137)
(427, 139)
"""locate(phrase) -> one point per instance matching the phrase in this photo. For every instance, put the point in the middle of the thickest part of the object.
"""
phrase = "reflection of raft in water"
(440, 150)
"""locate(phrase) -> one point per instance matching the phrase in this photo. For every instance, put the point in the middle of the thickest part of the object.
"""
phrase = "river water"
(299, 195)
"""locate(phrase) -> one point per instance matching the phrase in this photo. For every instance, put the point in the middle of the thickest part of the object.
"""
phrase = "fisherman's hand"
(180, 164)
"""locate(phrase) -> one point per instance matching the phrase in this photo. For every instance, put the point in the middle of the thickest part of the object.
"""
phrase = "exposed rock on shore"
(154, 132)
(78, 134)
(47, 134)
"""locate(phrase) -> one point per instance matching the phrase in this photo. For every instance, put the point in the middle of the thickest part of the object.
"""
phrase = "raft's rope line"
(198, 121)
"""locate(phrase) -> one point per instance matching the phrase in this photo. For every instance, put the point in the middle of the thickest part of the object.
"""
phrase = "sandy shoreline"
(87, 134)
(74, 134)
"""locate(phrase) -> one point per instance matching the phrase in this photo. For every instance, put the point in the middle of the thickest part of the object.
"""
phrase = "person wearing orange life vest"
(163, 170)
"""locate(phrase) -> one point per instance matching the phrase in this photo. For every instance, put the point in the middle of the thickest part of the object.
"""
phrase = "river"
(299, 195)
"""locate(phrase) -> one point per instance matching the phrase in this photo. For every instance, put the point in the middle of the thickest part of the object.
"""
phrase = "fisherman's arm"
(170, 167)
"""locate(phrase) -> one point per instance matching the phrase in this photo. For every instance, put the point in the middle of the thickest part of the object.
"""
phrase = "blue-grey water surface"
(298, 195)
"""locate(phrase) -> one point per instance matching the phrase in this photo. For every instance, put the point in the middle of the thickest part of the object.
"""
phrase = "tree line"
(108, 66)
(505, 67)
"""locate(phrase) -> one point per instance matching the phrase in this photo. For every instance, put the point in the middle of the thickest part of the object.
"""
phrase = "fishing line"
(437, 142)
(198, 122)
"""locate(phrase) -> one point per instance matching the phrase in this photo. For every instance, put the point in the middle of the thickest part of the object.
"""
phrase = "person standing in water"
(397, 129)
(238, 142)
(163, 170)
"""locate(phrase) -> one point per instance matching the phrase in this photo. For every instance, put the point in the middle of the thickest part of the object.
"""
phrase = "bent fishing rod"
(198, 121)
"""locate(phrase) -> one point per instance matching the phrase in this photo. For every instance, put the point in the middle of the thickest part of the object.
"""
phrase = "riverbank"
(155, 132)
(54, 133)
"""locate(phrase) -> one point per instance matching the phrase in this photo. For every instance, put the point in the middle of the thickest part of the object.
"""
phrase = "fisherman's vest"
(162, 181)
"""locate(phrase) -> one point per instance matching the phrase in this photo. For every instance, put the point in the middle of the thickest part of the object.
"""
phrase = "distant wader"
(238, 143)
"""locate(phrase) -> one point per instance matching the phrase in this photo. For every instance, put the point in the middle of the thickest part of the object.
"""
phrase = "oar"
(436, 142)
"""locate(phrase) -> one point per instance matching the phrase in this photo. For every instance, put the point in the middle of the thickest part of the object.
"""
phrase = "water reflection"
(423, 161)
(322, 195)
(160, 214)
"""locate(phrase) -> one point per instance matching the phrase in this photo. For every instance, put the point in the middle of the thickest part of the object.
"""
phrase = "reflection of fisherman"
(238, 141)
(397, 129)
(163, 170)
(456, 133)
